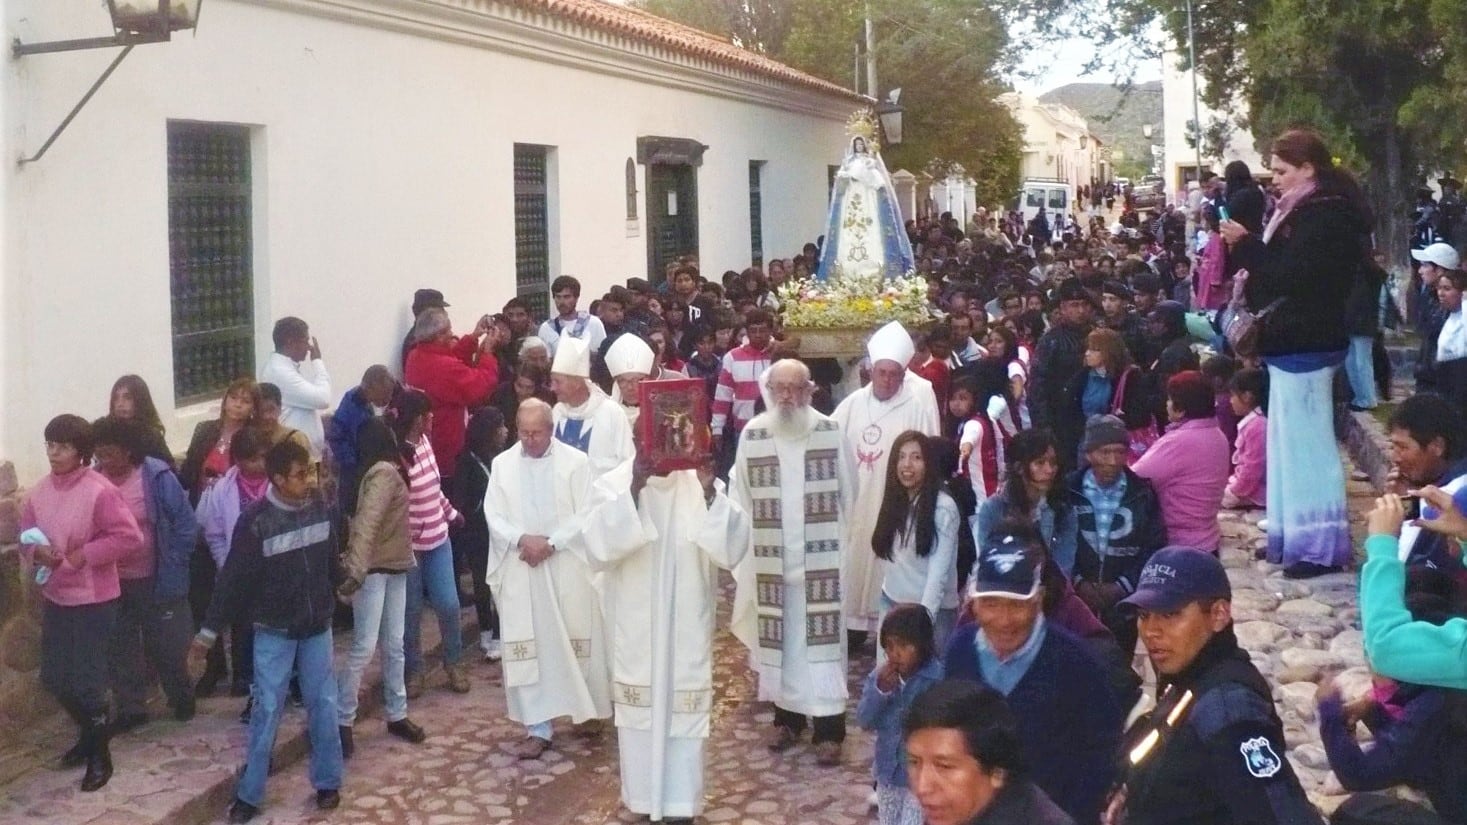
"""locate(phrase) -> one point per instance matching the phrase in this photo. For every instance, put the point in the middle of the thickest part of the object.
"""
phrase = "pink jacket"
(1189, 467)
(83, 511)
(1249, 482)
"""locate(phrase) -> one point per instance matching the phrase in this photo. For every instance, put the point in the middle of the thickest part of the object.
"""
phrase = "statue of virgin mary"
(864, 234)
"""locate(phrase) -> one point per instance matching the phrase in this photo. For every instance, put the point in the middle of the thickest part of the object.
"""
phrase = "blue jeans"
(1360, 369)
(435, 570)
(377, 610)
(276, 656)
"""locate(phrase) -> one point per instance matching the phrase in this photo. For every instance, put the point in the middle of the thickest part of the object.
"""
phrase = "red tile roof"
(686, 40)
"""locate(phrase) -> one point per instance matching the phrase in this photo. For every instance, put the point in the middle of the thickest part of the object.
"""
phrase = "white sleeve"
(970, 434)
(298, 391)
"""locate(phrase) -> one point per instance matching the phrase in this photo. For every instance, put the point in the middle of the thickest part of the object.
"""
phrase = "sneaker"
(827, 754)
(784, 739)
(458, 679)
(407, 730)
(1263, 524)
(1308, 570)
(328, 800)
(493, 651)
(242, 811)
(414, 684)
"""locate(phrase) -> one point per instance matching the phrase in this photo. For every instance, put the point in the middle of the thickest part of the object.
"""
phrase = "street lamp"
(134, 22)
(889, 112)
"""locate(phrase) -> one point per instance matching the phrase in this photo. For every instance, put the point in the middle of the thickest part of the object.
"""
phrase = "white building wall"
(1178, 155)
(382, 163)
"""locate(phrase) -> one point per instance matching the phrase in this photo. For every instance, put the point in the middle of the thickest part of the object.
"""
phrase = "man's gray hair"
(431, 323)
(538, 407)
(532, 341)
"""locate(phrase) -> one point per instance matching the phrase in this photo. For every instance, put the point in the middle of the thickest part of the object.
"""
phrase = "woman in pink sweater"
(1189, 465)
(85, 528)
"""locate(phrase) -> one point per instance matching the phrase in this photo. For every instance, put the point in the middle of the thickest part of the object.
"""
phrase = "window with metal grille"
(532, 227)
(211, 283)
(756, 212)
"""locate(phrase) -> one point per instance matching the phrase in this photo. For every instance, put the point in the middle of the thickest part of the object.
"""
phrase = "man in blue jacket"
(1069, 720)
(361, 404)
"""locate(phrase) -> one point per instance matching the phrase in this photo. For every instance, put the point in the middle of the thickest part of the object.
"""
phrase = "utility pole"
(871, 88)
(1196, 113)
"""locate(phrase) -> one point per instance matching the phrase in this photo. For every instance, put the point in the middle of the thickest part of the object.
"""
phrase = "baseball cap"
(1006, 568)
(1175, 576)
(1441, 254)
(424, 298)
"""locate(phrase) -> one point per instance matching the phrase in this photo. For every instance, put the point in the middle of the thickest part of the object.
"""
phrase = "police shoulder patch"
(1259, 757)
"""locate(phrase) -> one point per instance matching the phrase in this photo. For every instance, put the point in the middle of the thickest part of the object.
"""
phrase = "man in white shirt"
(568, 320)
(305, 387)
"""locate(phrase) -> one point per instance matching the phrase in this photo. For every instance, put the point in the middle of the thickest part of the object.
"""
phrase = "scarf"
(821, 623)
(251, 491)
(1290, 199)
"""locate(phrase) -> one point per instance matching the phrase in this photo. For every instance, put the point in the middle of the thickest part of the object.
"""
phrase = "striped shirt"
(428, 510)
(737, 393)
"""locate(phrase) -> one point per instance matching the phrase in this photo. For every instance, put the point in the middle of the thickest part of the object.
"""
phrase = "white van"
(1052, 195)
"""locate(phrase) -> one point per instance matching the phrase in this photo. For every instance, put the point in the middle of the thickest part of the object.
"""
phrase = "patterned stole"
(821, 539)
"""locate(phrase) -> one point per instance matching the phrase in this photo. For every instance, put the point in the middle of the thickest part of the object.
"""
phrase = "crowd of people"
(1017, 494)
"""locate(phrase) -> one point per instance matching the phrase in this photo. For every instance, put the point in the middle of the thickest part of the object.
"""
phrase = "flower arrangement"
(860, 301)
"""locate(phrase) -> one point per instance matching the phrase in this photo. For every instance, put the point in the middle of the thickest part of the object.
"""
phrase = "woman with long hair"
(429, 516)
(209, 458)
(1306, 263)
(1004, 350)
(131, 400)
(378, 556)
(1110, 384)
(917, 533)
(1033, 492)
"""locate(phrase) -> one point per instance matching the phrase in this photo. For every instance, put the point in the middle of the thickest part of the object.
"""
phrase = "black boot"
(75, 757)
(99, 757)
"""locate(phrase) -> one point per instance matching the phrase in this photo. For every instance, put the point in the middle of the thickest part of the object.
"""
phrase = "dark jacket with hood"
(1176, 354)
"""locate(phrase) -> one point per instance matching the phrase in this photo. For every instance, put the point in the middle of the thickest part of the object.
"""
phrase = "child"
(979, 441)
(1219, 369)
(1247, 487)
(485, 438)
(911, 668)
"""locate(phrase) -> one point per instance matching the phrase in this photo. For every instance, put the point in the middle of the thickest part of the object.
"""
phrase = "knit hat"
(572, 357)
(1103, 431)
(629, 354)
(891, 343)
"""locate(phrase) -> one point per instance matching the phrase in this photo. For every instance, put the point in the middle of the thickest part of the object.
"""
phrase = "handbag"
(1244, 327)
(1140, 438)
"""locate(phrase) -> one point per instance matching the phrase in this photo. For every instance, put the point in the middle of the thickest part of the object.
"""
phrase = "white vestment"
(869, 427)
(798, 685)
(660, 599)
(597, 428)
(554, 641)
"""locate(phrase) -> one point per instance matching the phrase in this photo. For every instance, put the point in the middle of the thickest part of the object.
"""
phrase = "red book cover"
(672, 433)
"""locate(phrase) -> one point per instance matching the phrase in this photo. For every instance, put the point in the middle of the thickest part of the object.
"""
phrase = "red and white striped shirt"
(738, 388)
(428, 509)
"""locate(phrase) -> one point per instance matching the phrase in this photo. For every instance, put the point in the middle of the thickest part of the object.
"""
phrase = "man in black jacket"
(281, 574)
(1168, 328)
(1058, 357)
(1120, 526)
(1212, 753)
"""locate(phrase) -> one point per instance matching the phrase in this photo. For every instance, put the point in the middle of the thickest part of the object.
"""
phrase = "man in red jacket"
(457, 374)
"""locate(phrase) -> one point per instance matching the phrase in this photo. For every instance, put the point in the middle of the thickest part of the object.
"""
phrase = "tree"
(945, 55)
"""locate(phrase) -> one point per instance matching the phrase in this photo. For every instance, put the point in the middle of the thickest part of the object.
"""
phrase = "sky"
(1064, 63)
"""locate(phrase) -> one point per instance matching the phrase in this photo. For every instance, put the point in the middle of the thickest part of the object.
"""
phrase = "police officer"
(1213, 750)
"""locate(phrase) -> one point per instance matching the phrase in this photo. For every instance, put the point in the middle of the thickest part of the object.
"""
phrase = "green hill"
(1115, 117)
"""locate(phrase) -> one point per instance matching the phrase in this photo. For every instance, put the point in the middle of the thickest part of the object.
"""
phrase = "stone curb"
(1366, 441)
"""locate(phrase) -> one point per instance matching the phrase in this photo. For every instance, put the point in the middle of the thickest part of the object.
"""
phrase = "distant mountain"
(1115, 117)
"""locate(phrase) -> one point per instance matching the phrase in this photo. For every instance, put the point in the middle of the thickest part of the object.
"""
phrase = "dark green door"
(672, 216)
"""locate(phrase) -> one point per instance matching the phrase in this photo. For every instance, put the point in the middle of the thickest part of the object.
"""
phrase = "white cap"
(629, 353)
(572, 357)
(1441, 254)
(891, 343)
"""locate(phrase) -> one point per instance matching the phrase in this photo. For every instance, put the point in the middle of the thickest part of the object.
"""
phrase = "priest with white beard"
(793, 475)
(584, 417)
(870, 419)
(555, 658)
(660, 598)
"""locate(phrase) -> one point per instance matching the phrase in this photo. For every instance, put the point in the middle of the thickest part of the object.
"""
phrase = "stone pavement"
(465, 772)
